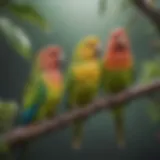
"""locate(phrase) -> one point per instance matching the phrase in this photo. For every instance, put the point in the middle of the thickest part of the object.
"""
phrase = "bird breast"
(88, 72)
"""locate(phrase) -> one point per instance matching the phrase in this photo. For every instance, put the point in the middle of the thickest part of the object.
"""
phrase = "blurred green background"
(70, 21)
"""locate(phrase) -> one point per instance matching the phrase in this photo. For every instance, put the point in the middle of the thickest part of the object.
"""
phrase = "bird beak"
(62, 57)
(98, 49)
(121, 40)
(62, 60)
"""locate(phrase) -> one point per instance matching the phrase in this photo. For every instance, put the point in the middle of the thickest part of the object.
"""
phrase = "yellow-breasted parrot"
(117, 74)
(45, 89)
(83, 81)
(44, 93)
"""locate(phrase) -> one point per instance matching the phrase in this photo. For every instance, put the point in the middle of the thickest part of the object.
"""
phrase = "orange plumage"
(117, 55)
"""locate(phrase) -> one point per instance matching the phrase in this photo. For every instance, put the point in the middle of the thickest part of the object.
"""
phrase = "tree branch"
(25, 133)
(152, 13)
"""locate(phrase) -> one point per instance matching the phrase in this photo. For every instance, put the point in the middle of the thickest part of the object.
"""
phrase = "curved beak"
(121, 40)
(62, 57)
(62, 60)
(98, 49)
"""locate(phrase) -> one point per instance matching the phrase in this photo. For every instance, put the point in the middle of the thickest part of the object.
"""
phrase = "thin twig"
(25, 133)
(152, 13)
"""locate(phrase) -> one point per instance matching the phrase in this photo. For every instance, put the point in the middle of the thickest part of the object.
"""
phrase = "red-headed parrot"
(117, 74)
(45, 89)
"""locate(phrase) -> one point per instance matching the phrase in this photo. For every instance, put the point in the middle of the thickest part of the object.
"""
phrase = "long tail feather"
(119, 126)
(78, 129)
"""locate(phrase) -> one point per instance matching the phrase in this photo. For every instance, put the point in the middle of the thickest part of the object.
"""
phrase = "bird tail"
(119, 126)
(78, 131)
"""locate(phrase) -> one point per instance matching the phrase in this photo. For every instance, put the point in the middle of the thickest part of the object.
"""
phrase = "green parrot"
(46, 87)
(117, 75)
(150, 72)
(43, 92)
(83, 79)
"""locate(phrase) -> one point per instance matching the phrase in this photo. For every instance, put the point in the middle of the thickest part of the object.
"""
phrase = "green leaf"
(16, 37)
(8, 113)
(28, 13)
(150, 71)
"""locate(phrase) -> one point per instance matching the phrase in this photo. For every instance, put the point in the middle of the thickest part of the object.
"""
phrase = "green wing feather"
(114, 82)
(69, 85)
(33, 83)
(31, 90)
(34, 93)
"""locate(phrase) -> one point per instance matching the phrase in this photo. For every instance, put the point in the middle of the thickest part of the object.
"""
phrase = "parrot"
(46, 88)
(44, 91)
(117, 75)
(151, 72)
(83, 79)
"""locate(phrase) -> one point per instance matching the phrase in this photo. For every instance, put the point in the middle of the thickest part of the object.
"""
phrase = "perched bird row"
(87, 73)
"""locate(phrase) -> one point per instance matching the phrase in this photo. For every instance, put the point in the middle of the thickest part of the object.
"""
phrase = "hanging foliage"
(13, 33)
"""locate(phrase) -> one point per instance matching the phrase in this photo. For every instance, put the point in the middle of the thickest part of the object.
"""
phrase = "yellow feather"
(54, 94)
(87, 72)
